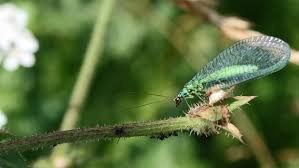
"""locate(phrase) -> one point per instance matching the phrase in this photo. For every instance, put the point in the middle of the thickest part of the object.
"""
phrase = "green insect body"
(247, 59)
(230, 71)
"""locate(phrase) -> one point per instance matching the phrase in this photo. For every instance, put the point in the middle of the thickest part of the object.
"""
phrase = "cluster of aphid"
(163, 136)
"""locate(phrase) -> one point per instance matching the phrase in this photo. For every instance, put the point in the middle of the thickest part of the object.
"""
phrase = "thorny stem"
(116, 131)
(159, 129)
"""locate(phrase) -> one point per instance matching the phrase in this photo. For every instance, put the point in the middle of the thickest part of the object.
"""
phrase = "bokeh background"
(150, 46)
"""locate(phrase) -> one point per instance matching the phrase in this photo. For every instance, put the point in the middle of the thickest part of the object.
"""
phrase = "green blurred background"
(151, 46)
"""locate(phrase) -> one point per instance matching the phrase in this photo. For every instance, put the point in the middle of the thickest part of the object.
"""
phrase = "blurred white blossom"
(17, 43)
(3, 119)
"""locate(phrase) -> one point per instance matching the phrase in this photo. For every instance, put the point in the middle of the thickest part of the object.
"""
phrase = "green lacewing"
(247, 59)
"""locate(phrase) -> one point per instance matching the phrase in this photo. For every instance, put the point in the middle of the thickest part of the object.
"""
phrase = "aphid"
(119, 131)
(247, 59)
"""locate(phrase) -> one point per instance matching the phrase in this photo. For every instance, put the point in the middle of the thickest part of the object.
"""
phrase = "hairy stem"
(199, 119)
(115, 131)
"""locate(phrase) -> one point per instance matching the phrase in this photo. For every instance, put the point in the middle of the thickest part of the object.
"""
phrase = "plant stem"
(160, 129)
(236, 31)
(255, 141)
(91, 59)
(115, 131)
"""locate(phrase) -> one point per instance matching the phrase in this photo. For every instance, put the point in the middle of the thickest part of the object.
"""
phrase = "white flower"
(17, 43)
(3, 119)
(8, 34)
(18, 57)
(9, 13)
(27, 42)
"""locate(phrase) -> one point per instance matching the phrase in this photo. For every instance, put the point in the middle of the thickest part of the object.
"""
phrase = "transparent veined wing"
(247, 59)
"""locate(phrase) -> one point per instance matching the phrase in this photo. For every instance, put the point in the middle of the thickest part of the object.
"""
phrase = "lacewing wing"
(247, 59)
